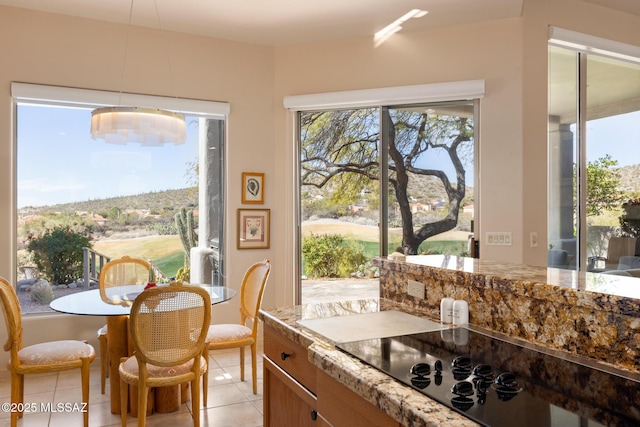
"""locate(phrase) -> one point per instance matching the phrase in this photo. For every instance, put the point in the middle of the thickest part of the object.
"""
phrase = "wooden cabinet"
(289, 383)
(297, 394)
(344, 408)
(286, 402)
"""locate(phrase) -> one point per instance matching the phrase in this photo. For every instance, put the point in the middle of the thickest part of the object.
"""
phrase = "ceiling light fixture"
(396, 25)
(147, 126)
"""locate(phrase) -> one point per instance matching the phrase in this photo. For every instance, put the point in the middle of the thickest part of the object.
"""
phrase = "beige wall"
(56, 50)
(490, 51)
(510, 55)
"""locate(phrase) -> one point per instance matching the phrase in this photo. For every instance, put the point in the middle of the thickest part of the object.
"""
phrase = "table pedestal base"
(162, 399)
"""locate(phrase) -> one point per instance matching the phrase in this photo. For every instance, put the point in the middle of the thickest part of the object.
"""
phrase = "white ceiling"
(279, 22)
(287, 22)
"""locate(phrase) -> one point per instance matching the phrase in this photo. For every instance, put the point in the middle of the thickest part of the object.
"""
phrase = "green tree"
(341, 148)
(58, 254)
(603, 186)
(114, 213)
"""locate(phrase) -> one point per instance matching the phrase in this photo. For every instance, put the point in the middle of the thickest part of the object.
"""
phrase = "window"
(594, 121)
(122, 198)
(376, 180)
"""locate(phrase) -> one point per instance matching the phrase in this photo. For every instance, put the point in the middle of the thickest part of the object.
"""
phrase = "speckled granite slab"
(585, 314)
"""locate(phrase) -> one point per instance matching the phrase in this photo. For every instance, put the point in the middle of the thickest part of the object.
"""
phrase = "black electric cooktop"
(500, 384)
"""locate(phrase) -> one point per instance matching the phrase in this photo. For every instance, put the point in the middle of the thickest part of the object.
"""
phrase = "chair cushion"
(55, 352)
(129, 369)
(227, 332)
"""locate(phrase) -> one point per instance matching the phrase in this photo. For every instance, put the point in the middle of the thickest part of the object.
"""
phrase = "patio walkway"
(330, 290)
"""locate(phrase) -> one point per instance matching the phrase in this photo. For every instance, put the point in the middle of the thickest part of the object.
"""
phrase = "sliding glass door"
(374, 181)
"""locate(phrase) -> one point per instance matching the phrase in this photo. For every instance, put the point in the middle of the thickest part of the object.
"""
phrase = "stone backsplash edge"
(600, 327)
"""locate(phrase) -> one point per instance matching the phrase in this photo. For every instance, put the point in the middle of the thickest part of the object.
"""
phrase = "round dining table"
(116, 308)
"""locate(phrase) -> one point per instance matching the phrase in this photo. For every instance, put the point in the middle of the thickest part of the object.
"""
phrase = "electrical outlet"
(415, 289)
(533, 239)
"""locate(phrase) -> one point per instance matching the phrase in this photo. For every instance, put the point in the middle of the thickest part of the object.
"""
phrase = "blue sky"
(58, 162)
(618, 136)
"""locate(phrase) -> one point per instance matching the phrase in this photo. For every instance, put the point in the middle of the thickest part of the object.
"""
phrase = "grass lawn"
(165, 251)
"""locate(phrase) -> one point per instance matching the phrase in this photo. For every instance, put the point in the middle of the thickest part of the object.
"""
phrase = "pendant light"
(147, 126)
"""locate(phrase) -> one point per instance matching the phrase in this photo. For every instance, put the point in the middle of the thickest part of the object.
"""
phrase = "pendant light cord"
(166, 55)
(124, 57)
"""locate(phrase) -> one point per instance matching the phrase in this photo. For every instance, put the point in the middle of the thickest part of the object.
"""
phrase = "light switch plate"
(498, 238)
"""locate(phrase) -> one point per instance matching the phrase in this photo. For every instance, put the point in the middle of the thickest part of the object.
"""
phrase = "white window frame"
(61, 96)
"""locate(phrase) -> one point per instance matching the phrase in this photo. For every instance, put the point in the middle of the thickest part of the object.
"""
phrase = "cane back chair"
(118, 277)
(239, 335)
(168, 327)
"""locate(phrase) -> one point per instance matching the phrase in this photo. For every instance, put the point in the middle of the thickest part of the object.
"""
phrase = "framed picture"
(253, 228)
(252, 188)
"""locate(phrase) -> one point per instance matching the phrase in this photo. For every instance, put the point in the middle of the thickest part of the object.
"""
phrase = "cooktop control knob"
(421, 369)
(507, 379)
(462, 388)
(482, 370)
(463, 362)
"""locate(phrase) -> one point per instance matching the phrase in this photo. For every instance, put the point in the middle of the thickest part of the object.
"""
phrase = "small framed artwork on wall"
(252, 188)
(253, 228)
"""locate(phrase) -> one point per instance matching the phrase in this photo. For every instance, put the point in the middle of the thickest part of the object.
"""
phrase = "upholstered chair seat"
(129, 369)
(228, 333)
(239, 335)
(53, 356)
(55, 352)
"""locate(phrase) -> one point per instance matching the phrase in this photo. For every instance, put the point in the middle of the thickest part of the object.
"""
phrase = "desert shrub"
(183, 274)
(58, 254)
(163, 228)
(328, 255)
(41, 292)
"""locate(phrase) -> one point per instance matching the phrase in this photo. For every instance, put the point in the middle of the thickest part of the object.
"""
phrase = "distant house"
(98, 219)
(23, 219)
(419, 207)
(358, 207)
(468, 209)
(439, 205)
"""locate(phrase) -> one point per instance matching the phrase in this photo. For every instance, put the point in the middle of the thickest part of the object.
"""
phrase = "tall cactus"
(186, 230)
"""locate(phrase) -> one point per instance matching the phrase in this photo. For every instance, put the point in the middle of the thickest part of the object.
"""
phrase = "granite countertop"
(618, 289)
(401, 402)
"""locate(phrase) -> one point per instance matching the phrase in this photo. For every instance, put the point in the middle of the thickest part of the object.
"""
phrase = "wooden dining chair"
(52, 356)
(168, 327)
(115, 277)
(239, 335)
(123, 275)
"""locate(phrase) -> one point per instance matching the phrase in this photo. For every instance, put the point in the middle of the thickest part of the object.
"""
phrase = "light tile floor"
(231, 402)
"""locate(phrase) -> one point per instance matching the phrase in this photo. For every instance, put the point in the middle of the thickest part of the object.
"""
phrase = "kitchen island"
(511, 302)
(367, 387)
